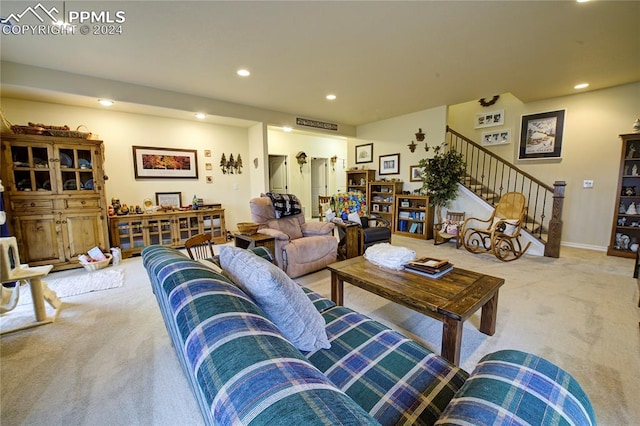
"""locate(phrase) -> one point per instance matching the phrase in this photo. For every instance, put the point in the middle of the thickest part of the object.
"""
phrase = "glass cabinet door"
(212, 224)
(76, 168)
(31, 168)
(130, 234)
(188, 226)
(159, 231)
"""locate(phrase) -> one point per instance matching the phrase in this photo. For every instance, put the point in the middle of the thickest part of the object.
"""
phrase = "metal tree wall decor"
(231, 165)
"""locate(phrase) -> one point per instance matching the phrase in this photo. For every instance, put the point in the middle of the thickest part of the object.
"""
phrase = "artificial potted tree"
(440, 177)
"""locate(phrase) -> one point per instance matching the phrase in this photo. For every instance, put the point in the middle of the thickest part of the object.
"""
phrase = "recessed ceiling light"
(106, 102)
(243, 73)
(331, 97)
(582, 1)
(581, 86)
(286, 129)
(201, 115)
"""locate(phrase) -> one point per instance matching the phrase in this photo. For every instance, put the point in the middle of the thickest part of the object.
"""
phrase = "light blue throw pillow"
(281, 298)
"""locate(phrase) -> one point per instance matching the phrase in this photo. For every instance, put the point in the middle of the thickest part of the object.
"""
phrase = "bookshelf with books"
(358, 179)
(380, 200)
(413, 216)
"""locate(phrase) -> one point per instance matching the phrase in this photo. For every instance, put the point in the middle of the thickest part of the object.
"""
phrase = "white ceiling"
(381, 58)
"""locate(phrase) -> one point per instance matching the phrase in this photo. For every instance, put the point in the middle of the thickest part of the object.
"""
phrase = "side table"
(256, 240)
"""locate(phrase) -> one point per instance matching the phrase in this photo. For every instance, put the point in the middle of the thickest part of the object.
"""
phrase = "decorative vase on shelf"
(632, 209)
(636, 126)
(622, 209)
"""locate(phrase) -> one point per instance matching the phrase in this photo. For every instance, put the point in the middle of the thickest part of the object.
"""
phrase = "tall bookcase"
(357, 180)
(381, 198)
(625, 229)
(413, 216)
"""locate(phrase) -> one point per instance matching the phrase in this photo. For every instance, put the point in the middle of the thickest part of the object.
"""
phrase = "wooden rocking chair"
(500, 233)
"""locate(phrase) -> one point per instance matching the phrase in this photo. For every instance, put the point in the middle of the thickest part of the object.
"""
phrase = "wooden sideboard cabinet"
(413, 216)
(625, 230)
(133, 232)
(55, 197)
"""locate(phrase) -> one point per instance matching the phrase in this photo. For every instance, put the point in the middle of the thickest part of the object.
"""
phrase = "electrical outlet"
(587, 184)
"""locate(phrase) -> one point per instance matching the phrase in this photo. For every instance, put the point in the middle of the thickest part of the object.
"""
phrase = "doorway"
(318, 183)
(278, 182)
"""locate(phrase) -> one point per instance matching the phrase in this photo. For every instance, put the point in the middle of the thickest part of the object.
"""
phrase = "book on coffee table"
(429, 274)
(429, 266)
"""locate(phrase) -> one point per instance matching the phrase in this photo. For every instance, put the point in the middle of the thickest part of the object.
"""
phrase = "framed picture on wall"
(498, 137)
(489, 119)
(389, 164)
(415, 174)
(364, 153)
(541, 135)
(165, 163)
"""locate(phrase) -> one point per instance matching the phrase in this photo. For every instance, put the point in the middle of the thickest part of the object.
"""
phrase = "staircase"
(489, 177)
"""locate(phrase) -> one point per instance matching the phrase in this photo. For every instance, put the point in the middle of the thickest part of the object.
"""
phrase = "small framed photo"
(489, 119)
(170, 199)
(208, 166)
(415, 174)
(375, 207)
(541, 135)
(207, 153)
(499, 137)
(209, 179)
(364, 153)
(389, 164)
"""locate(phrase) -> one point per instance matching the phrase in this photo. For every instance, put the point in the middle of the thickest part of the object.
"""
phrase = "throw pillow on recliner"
(281, 298)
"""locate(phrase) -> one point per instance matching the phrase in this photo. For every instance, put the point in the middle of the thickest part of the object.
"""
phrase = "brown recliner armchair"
(301, 247)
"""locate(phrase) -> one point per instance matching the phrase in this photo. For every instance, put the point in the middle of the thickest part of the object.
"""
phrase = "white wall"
(120, 131)
(395, 134)
(590, 150)
(319, 146)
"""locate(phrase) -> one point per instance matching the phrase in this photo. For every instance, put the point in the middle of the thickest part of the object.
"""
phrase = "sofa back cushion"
(239, 365)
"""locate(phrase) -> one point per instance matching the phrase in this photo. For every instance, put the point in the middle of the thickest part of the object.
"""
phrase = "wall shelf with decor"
(357, 180)
(381, 199)
(55, 196)
(135, 231)
(413, 216)
(625, 229)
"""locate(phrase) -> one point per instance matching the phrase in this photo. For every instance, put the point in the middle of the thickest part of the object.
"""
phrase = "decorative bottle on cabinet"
(625, 230)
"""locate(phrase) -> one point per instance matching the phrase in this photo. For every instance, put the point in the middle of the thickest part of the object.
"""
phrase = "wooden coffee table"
(452, 298)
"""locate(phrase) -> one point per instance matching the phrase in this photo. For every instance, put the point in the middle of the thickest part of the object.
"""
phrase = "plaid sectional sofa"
(243, 371)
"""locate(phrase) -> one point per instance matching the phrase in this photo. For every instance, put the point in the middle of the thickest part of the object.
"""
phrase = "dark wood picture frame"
(415, 173)
(364, 153)
(173, 199)
(165, 163)
(541, 135)
(389, 164)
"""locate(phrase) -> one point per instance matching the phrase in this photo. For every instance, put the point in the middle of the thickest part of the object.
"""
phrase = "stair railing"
(489, 177)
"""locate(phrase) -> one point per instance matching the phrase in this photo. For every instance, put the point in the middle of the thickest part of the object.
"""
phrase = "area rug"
(80, 283)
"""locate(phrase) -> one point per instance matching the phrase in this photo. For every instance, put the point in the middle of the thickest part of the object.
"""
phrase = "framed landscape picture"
(165, 163)
(389, 164)
(541, 135)
(415, 174)
(364, 153)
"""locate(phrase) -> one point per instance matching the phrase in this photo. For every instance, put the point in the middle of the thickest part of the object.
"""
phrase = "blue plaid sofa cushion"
(210, 322)
(393, 378)
(516, 388)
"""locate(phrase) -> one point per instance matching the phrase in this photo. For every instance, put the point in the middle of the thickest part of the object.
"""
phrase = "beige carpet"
(108, 360)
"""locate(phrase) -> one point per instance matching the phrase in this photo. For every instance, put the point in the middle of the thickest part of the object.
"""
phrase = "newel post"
(552, 248)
